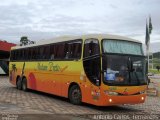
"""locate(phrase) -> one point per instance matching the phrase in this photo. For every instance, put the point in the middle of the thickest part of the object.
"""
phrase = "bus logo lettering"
(51, 67)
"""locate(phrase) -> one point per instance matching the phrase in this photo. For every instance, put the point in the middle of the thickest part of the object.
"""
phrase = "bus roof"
(67, 38)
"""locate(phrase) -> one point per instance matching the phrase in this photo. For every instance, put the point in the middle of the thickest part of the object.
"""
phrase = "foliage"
(24, 40)
(155, 71)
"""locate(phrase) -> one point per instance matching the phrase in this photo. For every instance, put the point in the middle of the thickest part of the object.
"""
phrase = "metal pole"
(148, 52)
(152, 60)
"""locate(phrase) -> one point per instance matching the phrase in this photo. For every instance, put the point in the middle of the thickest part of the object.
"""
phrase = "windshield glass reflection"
(124, 69)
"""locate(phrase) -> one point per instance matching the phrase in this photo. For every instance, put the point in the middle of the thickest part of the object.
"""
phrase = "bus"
(99, 69)
(4, 66)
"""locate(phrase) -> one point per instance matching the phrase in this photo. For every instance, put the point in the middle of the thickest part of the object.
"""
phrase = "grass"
(155, 71)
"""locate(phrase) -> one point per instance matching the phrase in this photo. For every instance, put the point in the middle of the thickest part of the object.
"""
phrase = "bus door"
(92, 68)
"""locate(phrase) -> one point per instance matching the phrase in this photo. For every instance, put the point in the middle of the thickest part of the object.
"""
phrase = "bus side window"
(52, 52)
(22, 54)
(19, 55)
(36, 53)
(91, 47)
(55, 51)
(60, 52)
(26, 54)
(68, 50)
(12, 55)
(73, 49)
(33, 54)
(41, 53)
(30, 54)
(77, 49)
(46, 52)
(15, 55)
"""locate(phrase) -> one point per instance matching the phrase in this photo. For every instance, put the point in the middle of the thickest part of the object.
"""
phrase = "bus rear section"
(53, 68)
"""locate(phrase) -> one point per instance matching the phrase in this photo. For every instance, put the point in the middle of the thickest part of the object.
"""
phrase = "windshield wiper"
(131, 70)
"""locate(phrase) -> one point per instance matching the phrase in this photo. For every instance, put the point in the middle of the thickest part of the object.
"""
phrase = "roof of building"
(5, 46)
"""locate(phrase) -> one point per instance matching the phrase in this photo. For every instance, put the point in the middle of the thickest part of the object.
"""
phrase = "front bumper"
(120, 100)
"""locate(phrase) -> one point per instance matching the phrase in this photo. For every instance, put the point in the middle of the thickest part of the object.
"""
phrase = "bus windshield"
(123, 63)
(122, 47)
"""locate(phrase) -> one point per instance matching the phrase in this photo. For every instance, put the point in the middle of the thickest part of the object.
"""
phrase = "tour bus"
(98, 69)
(4, 66)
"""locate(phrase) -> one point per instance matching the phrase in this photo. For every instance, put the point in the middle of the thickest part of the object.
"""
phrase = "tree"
(24, 40)
(158, 68)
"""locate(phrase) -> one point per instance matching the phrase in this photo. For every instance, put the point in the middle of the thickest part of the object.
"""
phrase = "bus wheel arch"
(74, 93)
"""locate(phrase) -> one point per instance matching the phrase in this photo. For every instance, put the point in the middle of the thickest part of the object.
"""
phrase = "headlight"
(142, 98)
(110, 100)
(142, 92)
(112, 93)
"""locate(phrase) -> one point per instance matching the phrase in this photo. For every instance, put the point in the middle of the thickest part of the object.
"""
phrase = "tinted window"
(91, 47)
(57, 51)
(43, 52)
(73, 50)
(12, 55)
(52, 51)
(25, 54)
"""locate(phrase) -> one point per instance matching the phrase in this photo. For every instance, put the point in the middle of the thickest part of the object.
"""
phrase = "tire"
(24, 84)
(19, 84)
(75, 95)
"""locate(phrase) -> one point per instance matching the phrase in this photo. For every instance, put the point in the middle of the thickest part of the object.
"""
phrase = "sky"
(45, 19)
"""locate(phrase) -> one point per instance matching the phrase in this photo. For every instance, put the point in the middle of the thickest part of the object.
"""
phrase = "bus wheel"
(19, 84)
(75, 95)
(24, 84)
